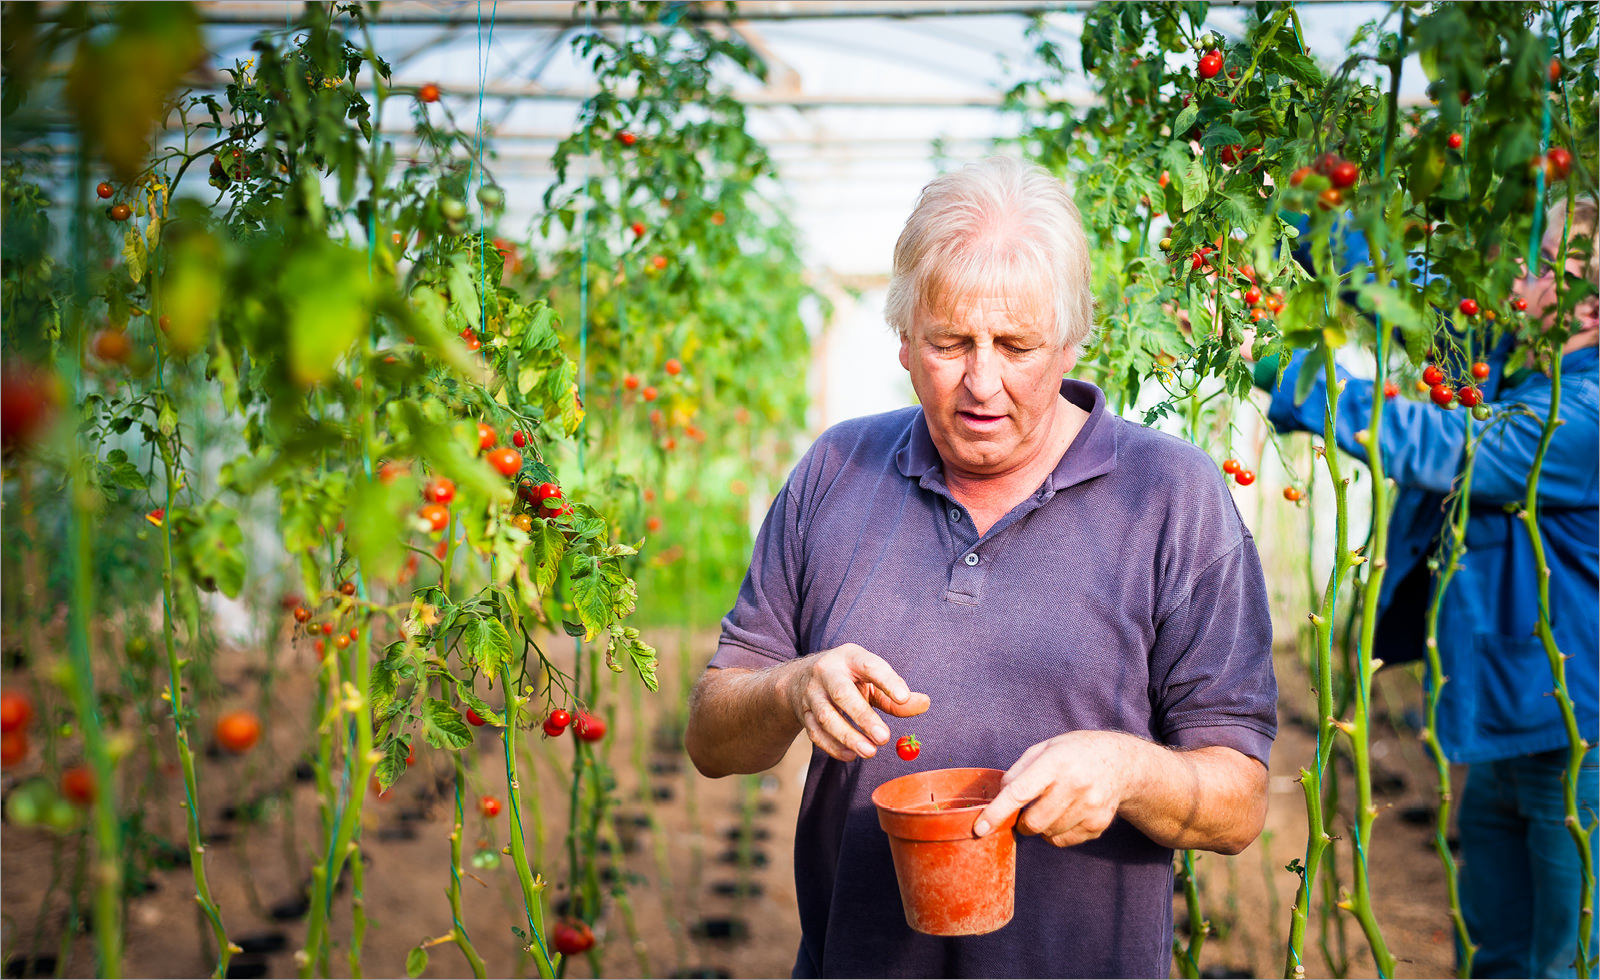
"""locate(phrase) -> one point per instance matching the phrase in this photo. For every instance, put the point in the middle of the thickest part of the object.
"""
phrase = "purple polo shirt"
(1124, 595)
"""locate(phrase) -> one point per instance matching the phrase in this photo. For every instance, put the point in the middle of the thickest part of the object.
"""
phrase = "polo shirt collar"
(1092, 453)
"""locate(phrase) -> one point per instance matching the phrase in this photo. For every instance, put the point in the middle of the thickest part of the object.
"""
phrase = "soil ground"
(692, 906)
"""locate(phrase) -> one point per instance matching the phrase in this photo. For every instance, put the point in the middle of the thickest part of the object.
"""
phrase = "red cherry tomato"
(1469, 307)
(1391, 390)
(1252, 296)
(1244, 477)
(437, 516)
(589, 728)
(1480, 370)
(519, 439)
(1291, 494)
(571, 937)
(674, 366)
(560, 717)
(553, 730)
(507, 460)
(428, 93)
(908, 747)
(1453, 141)
(637, 228)
(1442, 394)
(78, 785)
(1344, 174)
(105, 190)
(1210, 64)
(16, 711)
(486, 436)
(1230, 466)
(631, 382)
(238, 731)
(649, 394)
(1330, 199)
(1558, 162)
(1298, 177)
(439, 490)
(13, 748)
(1469, 396)
(1519, 304)
(1431, 375)
(490, 807)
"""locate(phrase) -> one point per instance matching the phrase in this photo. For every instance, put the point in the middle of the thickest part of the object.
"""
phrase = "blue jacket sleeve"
(1423, 445)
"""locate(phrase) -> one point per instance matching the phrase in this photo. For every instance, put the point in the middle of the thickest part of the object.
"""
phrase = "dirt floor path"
(695, 902)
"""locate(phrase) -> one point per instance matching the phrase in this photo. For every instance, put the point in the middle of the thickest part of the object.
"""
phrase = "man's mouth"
(979, 420)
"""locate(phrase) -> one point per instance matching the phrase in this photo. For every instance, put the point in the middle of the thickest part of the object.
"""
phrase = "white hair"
(998, 227)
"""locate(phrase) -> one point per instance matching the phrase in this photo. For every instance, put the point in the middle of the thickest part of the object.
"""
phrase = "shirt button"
(955, 515)
(972, 558)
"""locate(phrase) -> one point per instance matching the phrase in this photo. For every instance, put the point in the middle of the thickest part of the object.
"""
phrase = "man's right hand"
(832, 695)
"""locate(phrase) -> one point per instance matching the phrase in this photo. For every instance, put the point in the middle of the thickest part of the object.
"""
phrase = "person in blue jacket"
(1520, 871)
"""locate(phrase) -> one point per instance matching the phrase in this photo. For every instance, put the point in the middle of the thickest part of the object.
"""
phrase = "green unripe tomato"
(27, 804)
(1482, 412)
(491, 197)
(61, 816)
(486, 860)
(452, 208)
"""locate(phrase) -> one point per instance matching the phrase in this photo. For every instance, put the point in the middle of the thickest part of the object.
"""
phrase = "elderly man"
(1042, 584)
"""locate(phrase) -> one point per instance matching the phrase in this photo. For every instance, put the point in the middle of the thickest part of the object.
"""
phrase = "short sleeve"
(1211, 666)
(760, 630)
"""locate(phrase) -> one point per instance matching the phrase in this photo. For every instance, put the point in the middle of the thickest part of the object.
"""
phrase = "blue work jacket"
(1497, 701)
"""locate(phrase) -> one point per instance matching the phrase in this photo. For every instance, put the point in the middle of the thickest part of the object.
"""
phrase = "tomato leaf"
(133, 254)
(443, 726)
(327, 290)
(642, 654)
(1310, 371)
(393, 764)
(544, 553)
(465, 692)
(373, 510)
(416, 962)
(591, 596)
(487, 644)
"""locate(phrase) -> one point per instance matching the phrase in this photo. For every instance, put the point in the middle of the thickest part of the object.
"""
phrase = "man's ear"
(1072, 358)
(905, 351)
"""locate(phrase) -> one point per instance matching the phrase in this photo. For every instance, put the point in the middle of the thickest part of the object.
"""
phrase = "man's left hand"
(1068, 788)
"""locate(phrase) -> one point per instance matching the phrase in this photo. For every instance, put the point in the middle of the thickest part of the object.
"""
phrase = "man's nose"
(983, 372)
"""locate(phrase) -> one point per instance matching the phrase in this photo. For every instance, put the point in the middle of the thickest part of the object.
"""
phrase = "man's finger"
(914, 705)
(841, 690)
(824, 741)
(1023, 763)
(871, 667)
(827, 716)
(1012, 798)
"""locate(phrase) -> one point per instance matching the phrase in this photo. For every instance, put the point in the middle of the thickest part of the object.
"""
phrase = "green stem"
(1317, 837)
(85, 702)
(459, 929)
(197, 866)
(1577, 746)
(1454, 547)
(1189, 956)
(1359, 728)
(531, 901)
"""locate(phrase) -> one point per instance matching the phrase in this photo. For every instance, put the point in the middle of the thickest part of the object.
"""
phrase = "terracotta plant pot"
(951, 883)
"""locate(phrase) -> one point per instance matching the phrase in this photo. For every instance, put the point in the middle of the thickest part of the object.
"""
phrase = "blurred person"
(1041, 584)
(1520, 872)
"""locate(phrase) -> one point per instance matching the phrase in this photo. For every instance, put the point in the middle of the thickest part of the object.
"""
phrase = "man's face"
(988, 385)
(1540, 289)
